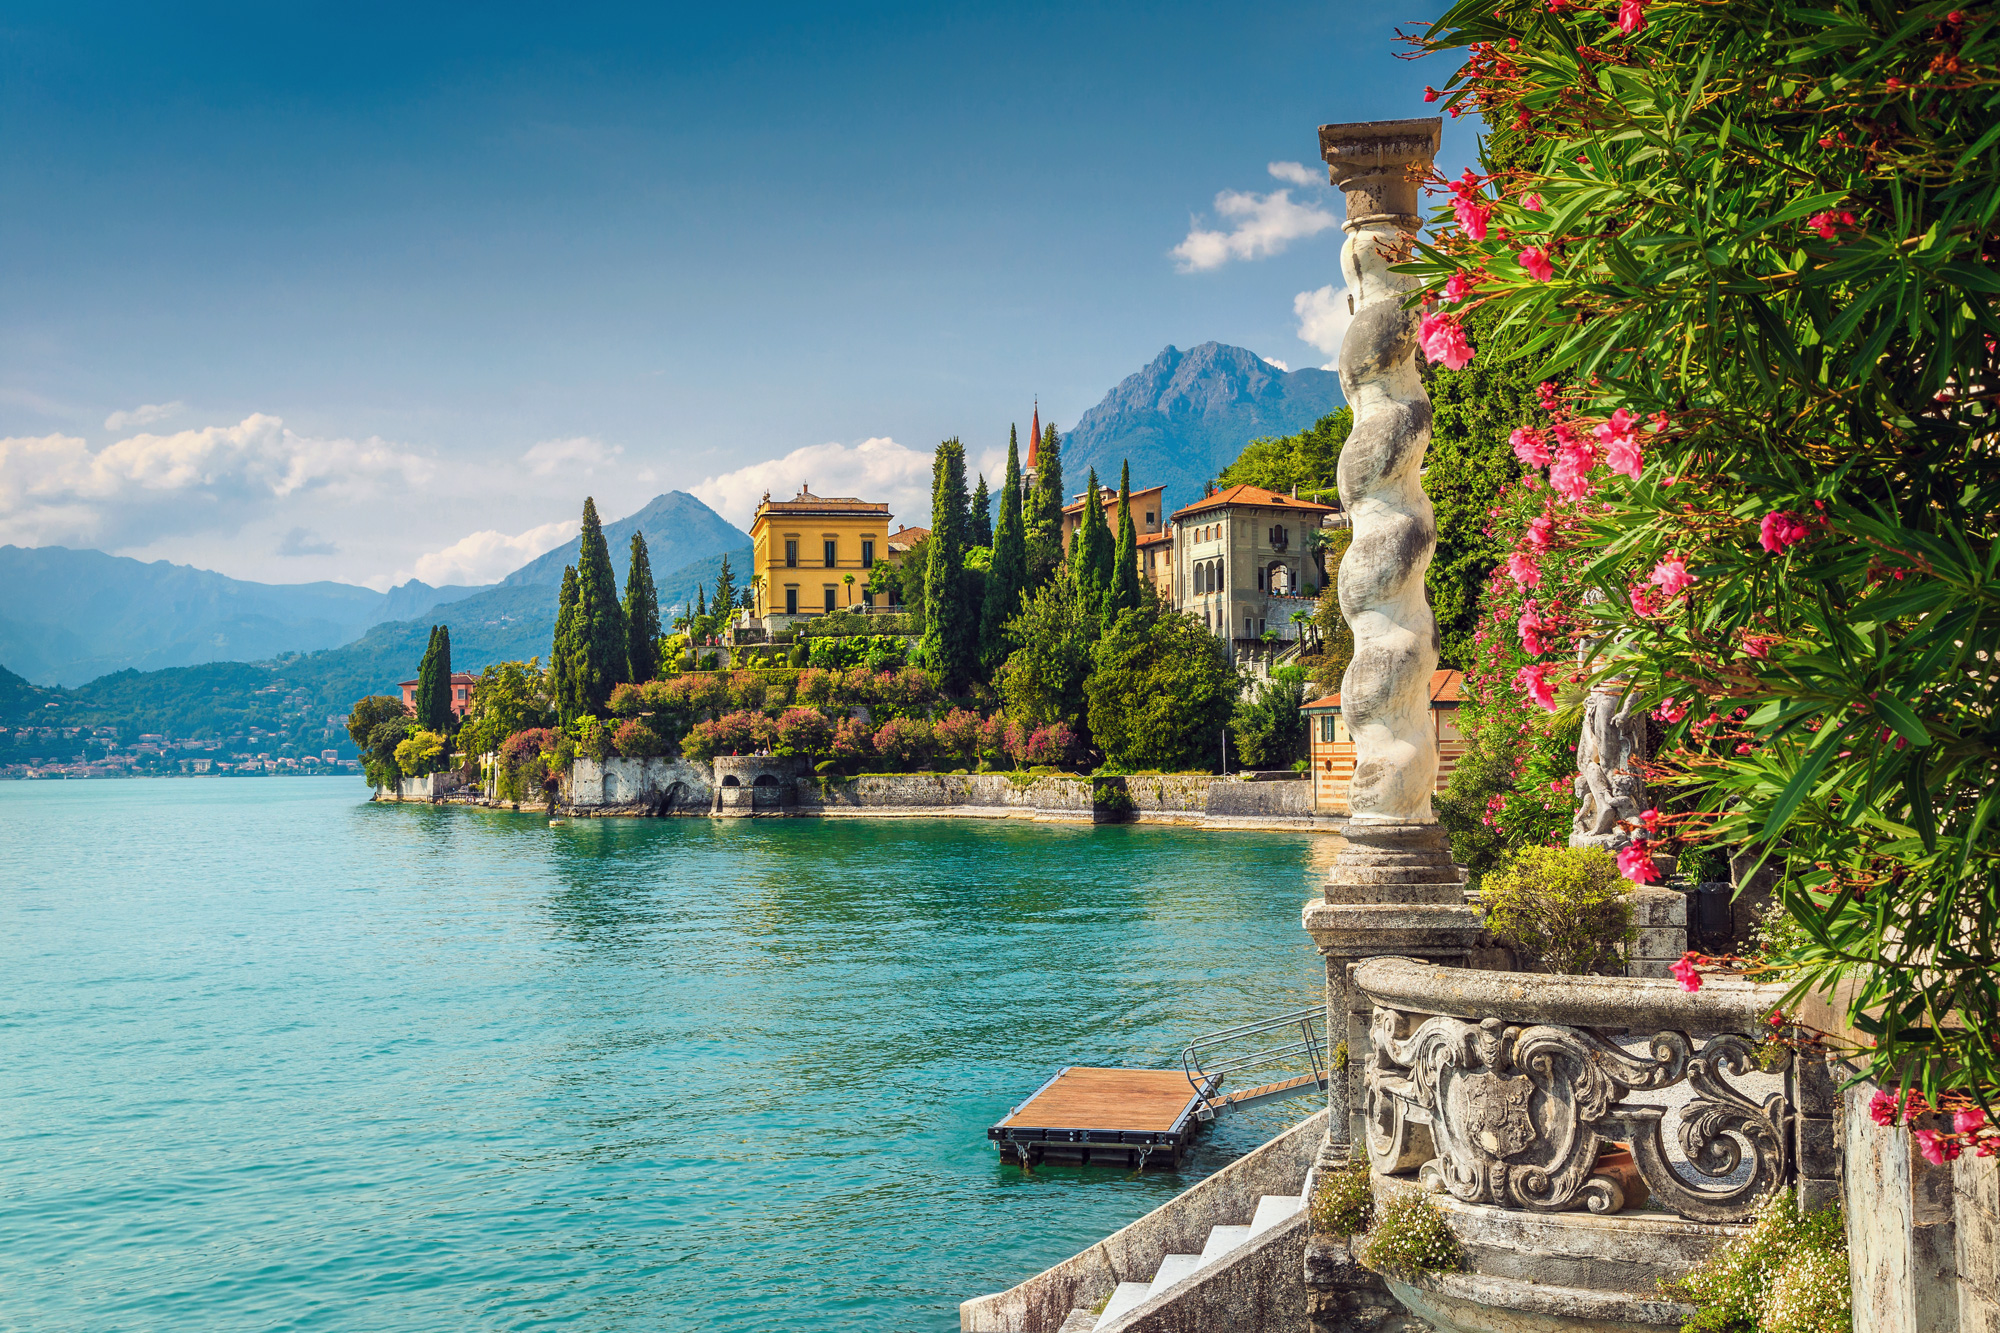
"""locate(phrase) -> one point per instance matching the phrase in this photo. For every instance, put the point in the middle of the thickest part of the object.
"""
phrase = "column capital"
(1378, 164)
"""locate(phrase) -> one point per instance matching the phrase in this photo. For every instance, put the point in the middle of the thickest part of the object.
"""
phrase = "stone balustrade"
(1530, 1092)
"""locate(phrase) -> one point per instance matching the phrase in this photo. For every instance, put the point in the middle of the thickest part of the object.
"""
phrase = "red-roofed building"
(1333, 747)
(461, 693)
(1243, 564)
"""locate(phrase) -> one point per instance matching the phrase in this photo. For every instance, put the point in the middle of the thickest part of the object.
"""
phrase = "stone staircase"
(1226, 1253)
(1271, 1210)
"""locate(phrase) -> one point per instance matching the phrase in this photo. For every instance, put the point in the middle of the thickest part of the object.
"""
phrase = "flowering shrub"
(1411, 1237)
(802, 731)
(957, 735)
(1343, 1202)
(852, 741)
(732, 733)
(747, 690)
(524, 762)
(636, 740)
(1773, 290)
(1565, 907)
(1788, 1275)
(994, 733)
(1047, 747)
(905, 742)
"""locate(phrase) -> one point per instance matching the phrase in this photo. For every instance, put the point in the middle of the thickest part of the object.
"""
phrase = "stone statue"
(1609, 788)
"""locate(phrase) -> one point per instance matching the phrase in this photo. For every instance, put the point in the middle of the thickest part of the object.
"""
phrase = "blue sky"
(367, 291)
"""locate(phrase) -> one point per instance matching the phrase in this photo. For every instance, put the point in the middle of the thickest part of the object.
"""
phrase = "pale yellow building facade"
(813, 554)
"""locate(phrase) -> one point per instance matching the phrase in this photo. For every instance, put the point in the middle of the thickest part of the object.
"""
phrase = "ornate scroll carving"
(1518, 1116)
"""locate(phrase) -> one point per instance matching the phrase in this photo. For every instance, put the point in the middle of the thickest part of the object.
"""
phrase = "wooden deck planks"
(1244, 1094)
(1144, 1100)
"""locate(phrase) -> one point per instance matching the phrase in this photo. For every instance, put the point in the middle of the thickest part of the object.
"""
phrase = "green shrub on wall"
(1789, 1275)
(1343, 1202)
(1568, 908)
(1411, 1237)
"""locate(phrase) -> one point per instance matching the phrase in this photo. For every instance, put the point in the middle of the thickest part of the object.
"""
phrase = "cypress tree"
(1090, 552)
(980, 531)
(725, 595)
(951, 630)
(426, 701)
(1008, 574)
(1125, 560)
(642, 614)
(563, 652)
(1043, 518)
(600, 661)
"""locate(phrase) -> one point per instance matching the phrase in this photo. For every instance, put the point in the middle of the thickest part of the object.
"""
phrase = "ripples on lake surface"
(279, 1059)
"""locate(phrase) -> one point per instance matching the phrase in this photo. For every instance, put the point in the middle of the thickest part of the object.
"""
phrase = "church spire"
(1035, 434)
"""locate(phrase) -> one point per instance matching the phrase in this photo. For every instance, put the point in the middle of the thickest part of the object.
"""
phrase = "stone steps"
(1272, 1209)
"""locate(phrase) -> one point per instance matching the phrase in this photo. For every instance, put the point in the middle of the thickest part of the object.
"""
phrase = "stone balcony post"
(1393, 888)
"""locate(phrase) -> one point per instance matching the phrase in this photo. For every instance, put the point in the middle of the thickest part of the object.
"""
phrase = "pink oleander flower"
(1671, 576)
(1443, 341)
(1826, 224)
(1530, 446)
(1671, 710)
(1758, 645)
(1532, 202)
(1781, 529)
(1430, 93)
(1570, 476)
(1532, 629)
(1533, 681)
(1462, 284)
(1969, 1122)
(1548, 396)
(1541, 532)
(1635, 862)
(1521, 568)
(1631, 16)
(1651, 819)
(1645, 599)
(1620, 438)
(1883, 1107)
(1685, 973)
(1472, 216)
(1937, 1148)
(1777, 1018)
(1535, 260)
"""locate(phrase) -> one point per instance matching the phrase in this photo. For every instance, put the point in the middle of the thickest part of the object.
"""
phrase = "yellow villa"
(813, 554)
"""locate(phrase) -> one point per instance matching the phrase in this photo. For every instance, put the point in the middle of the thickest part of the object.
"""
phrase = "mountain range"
(1185, 417)
(68, 616)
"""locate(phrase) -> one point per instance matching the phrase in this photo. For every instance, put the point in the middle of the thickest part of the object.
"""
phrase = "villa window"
(868, 555)
(1149, 518)
(830, 561)
(791, 601)
(1260, 580)
(791, 554)
(829, 599)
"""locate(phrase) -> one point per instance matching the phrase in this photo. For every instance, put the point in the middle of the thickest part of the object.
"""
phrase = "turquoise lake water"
(275, 1058)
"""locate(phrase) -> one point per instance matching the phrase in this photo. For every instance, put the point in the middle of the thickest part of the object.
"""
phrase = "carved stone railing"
(1512, 1090)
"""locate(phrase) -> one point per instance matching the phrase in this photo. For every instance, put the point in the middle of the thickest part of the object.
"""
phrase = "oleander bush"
(1757, 241)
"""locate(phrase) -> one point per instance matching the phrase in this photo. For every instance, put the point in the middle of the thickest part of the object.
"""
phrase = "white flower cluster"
(1411, 1236)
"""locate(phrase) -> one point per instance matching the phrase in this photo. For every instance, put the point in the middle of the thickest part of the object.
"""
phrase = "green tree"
(1045, 674)
(1090, 551)
(434, 683)
(642, 614)
(951, 628)
(1270, 730)
(1043, 520)
(725, 597)
(1333, 641)
(1123, 594)
(979, 531)
(563, 652)
(509, 697)
(1309, 460)
(377, 725)
(601, 642)
(1161, 691)
(1008, 574)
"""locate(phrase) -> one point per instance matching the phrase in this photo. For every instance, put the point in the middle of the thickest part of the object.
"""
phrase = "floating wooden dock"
(1121, 1117)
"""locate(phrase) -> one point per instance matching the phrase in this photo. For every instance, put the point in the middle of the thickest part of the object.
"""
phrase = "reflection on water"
(280, 1059)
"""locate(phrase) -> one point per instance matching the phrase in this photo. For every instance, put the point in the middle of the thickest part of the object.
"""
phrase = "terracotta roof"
(1256, 495)
(1447, 687)
(1110, 494)
(907, 537)
(805, 502)
(1150, 538)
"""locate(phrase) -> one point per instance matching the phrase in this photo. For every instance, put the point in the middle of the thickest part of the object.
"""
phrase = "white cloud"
(579, 453)
(1263, 224)
(1273, 361)
(1298, 173)
(1323, 319)
(486, 557)
(876, 469)
(145, 415)
(55, 489)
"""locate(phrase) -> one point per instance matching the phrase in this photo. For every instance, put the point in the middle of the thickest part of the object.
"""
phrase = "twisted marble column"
(1393, 888)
